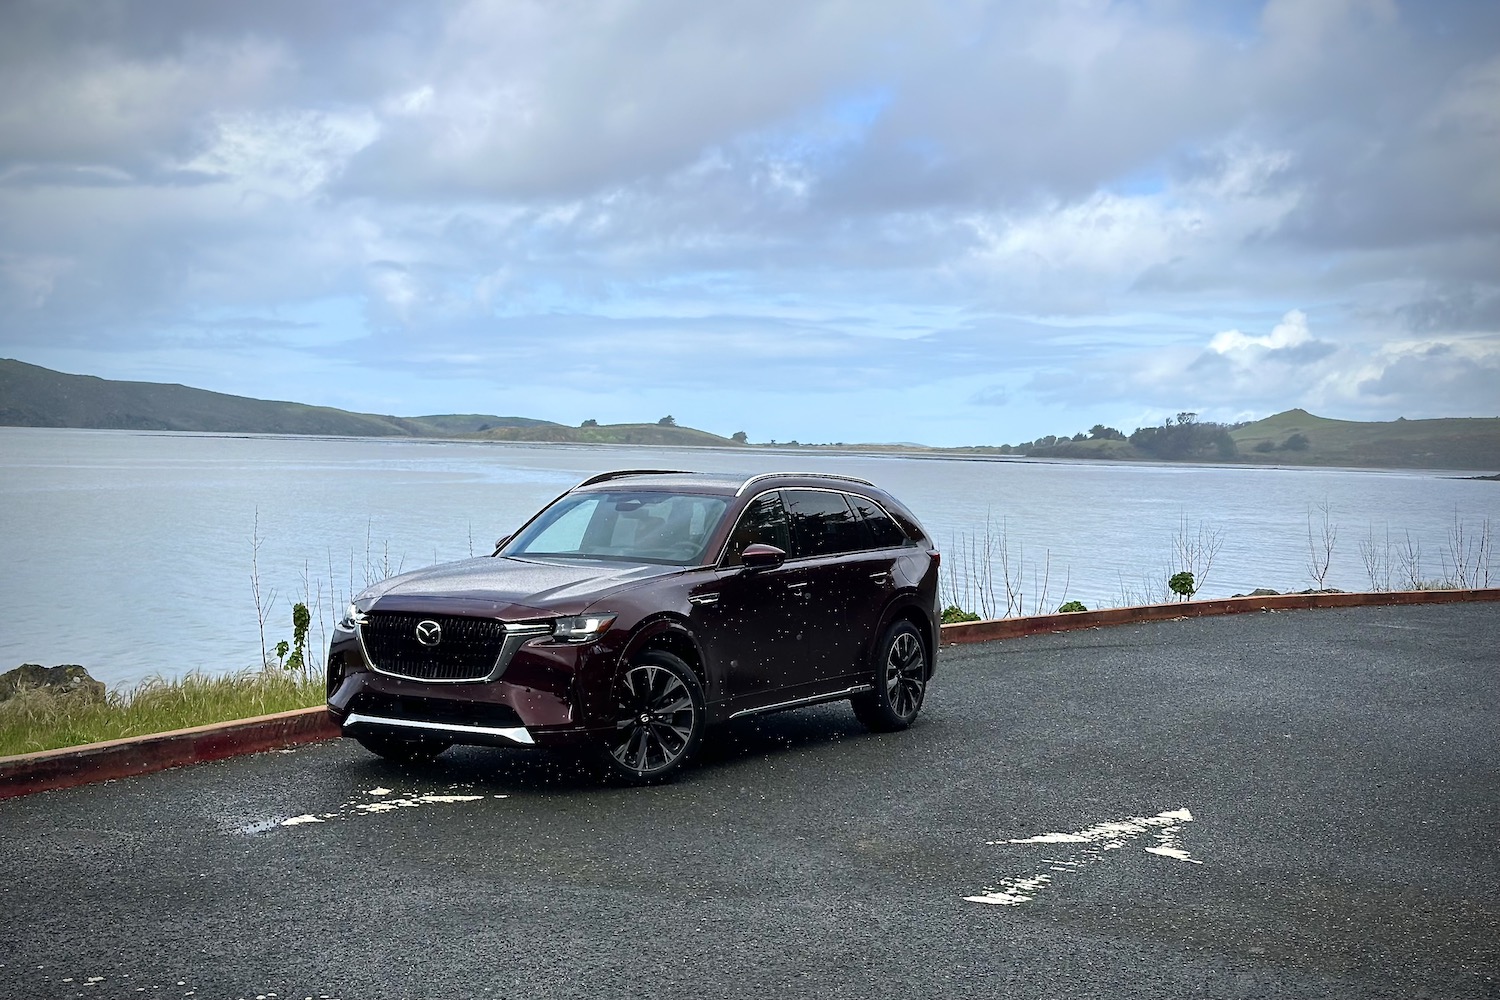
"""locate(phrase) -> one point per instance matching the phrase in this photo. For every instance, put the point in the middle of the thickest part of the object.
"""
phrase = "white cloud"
(1290, 332)
(287, 153)
(1057, 203)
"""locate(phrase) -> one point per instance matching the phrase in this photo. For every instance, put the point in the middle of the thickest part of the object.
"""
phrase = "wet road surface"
(1302, 804)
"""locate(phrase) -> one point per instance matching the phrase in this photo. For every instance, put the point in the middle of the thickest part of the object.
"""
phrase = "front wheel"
(658, 719)
(900, 681)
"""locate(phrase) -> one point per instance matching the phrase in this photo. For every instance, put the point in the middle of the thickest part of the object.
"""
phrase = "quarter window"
(885, 533)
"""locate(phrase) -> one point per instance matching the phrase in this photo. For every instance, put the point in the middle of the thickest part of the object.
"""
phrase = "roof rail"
(819, 475)
(604, 477)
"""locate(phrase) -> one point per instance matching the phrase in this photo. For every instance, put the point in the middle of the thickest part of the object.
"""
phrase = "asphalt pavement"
(1302, 804)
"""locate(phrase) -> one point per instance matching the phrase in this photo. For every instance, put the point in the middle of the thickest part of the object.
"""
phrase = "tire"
(399, 750)
(900, 681)
(659, 716)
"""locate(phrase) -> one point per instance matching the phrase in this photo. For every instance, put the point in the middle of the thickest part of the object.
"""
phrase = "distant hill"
(651, 434)
(1297, 437)
(450, 424)
(31, 396)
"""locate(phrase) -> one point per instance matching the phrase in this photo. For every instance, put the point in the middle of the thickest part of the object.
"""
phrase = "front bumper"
(546, 694)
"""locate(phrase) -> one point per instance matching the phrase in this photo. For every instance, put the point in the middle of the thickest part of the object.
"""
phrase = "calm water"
(131, 553)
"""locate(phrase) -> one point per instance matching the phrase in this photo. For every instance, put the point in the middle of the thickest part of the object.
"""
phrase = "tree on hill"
(1185, 439)
(740, 437)
(591, 422)
(667, 421)
(1099, 432)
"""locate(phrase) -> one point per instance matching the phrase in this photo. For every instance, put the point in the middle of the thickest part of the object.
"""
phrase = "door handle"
(880, 577)
(704, 599)
(796, 586)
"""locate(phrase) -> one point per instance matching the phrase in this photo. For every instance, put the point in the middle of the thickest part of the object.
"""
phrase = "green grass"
(39, 720)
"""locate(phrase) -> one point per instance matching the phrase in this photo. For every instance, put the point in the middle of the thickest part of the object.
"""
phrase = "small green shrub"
(953, 614)
(301, 622)
(1183, 585)
(1071, 607)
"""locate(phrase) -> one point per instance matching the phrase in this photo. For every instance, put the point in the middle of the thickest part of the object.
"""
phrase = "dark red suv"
(641, 607)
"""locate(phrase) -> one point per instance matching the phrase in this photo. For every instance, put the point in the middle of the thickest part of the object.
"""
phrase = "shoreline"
(909, 451)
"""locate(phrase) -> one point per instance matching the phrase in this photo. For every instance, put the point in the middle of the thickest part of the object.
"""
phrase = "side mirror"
(500, 543)
(759, 556)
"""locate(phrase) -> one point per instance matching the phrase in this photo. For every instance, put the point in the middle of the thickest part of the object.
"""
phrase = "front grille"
(467, 651)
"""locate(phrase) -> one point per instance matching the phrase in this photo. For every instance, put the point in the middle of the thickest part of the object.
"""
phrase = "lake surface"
(132, 553)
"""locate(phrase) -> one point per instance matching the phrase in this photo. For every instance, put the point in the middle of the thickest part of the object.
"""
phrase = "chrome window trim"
(516, 734)
(516, 635)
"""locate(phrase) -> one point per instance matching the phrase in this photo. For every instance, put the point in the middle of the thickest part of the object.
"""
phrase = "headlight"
(582, 628)
(352, 617)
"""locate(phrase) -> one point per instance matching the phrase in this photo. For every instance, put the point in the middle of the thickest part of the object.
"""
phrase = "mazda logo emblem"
(429, 632)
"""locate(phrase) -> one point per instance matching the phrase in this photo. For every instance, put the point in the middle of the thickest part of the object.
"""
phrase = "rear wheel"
(659, 717)
(400, 750)
(900, 681)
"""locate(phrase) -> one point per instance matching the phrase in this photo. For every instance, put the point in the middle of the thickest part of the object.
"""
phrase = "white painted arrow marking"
(1096, 840)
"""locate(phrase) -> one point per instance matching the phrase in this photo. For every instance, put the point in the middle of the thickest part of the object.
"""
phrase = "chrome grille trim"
(516, 635)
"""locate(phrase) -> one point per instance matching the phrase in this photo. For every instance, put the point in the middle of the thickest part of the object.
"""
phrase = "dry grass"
(39, 720)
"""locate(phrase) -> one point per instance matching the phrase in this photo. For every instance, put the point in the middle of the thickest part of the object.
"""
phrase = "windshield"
(633, 526)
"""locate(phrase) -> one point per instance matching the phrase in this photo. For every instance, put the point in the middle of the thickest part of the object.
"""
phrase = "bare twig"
(1409, 554)
(262, 606)
(1377, 560)
(1320, 548)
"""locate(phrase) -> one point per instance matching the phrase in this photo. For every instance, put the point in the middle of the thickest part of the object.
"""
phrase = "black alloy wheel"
(900, 681)
(659, 718)
(400, 750)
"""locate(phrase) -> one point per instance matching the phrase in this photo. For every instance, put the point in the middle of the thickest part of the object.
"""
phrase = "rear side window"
(764, 522)
(823, 524)
(885, 533)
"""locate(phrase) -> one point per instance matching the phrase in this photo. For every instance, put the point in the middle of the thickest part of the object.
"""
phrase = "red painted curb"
(70, 766)
(1014, 628)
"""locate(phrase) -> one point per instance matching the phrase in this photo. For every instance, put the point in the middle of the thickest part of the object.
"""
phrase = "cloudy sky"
(947, 222)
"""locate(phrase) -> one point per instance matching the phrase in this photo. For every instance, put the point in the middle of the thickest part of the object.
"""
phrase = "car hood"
(493, 584)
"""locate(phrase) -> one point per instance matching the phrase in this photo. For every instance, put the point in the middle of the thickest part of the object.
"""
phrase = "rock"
(1261, 592)
(67, 678)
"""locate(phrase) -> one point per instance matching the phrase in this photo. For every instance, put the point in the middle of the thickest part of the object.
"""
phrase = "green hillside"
(650, 434)
(31, 396)
(450, 424)
(1297, 437)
